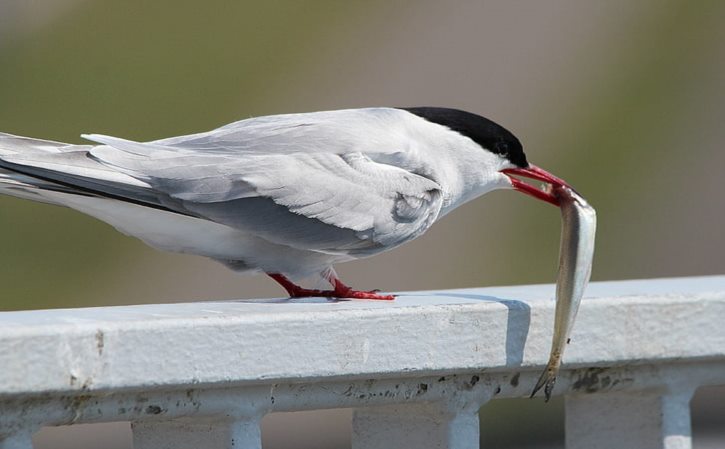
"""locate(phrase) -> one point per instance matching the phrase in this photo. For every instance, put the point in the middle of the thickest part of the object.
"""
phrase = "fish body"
(576, 251)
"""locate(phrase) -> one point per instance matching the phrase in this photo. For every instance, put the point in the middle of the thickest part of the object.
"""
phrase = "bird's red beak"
(534, 172)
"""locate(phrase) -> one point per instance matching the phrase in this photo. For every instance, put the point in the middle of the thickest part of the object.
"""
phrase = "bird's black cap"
(489, 135)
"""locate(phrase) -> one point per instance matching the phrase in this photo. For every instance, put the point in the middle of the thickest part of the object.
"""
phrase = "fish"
(576, 253)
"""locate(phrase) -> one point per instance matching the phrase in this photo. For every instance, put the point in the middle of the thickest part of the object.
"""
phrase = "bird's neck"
(466, 175)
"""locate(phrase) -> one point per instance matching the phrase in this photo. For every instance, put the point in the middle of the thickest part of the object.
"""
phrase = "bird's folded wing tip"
(96, 137)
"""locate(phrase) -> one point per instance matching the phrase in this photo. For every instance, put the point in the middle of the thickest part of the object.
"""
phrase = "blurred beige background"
(625, 100)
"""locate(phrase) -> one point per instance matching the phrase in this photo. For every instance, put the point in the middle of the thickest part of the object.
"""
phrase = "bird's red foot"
(357, 294)
(340, 290)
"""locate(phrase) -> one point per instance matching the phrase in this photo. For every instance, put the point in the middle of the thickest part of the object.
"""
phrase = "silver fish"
(576, 250)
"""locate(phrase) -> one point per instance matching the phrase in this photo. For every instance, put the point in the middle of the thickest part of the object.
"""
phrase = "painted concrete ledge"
(504, 330)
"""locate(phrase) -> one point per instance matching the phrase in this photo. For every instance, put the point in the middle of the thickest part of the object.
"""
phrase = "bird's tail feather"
(29, 166)
(29, 188)
(12, 144)
(21, 185)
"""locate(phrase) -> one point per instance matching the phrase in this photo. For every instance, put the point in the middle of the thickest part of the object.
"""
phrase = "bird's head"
(496, 139)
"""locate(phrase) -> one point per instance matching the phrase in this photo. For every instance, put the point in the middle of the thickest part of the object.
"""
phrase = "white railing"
(416, 370)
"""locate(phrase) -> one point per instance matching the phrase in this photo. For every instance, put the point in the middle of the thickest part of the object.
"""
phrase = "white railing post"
(649, 419)
(16, 440)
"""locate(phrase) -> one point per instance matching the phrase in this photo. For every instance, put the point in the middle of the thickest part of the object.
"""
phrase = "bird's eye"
(500, 147)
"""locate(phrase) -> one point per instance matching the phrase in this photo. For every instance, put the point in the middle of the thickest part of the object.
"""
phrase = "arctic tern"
(288, 195)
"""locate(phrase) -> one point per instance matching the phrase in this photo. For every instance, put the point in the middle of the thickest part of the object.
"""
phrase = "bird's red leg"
(340, 290)
(295, 291)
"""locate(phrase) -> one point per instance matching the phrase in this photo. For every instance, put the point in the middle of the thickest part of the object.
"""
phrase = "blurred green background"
(625, 100)
(622, 99)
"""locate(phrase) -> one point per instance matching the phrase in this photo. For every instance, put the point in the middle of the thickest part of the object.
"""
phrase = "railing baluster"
(650, 419)
(16, 440)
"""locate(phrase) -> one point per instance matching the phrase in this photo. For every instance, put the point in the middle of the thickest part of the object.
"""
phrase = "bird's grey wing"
(12, 144)
(342, 131)
(70, 166)
(328, 202)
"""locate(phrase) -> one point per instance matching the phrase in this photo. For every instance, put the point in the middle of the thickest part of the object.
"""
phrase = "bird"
(289, 195)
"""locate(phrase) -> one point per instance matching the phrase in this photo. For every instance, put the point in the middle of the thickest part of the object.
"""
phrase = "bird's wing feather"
(69, 165)
(342, 131)
(12, 144)
(382, 204)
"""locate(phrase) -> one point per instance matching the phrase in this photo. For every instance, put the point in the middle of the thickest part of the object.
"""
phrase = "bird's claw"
(372, 294)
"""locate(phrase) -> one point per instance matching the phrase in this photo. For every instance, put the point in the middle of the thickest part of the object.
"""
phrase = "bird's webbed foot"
(339, 289)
